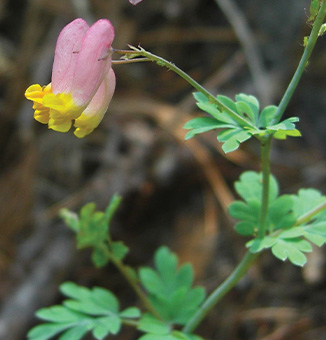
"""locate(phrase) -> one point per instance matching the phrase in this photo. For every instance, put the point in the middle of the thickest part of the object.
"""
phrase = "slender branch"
(130, 322)
(129, 61)
(133, 283)
(310, 214)
(303, 63)
(265, 146)
(162, 62)
(220, 291)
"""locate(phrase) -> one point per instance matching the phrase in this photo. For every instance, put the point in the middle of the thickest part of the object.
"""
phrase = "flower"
(83, 81)
(135, 2)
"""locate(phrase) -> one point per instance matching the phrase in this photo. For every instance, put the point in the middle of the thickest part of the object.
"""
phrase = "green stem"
(130, 323)
(310, 214)
(162, 62)
(265, 146)
(129, 61)
(303, 63)
(220, 291)
(133, 283)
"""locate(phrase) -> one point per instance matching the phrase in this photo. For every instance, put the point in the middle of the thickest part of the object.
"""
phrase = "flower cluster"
(83, 81)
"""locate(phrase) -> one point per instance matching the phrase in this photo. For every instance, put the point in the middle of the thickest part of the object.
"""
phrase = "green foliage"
(158, 330)
(92, 229)
(249, 187)
(88, 310)
(233, 133)
(322, 30)
(170, 289)
(287, 237)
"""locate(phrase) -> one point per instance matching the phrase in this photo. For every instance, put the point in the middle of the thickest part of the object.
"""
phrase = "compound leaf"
(170, 288)
(89, 310)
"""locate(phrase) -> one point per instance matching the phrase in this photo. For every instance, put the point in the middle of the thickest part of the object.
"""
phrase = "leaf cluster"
(92, 231)
(232, 132)
(158, 330)
(88, 310)
(97, 310)
(170, 288)
(288, 235)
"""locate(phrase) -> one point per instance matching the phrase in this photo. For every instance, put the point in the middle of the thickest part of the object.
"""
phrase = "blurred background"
(174, 192)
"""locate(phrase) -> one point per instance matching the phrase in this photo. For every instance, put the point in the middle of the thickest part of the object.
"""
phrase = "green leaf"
(75, 333)
(92, 228)
(258, 244)
(248, 212)
(59, 314)
(47, 330)
(130, 313)
(89, 310)
(101, 256)
(203, 124)
(267, 115)
(232, 134)
(112, 208)
(246, 228)
(248, 106)
(322, 30)
(232, 138)
(119, 250)
(249, 186)
(292, 249)
(280, 215)
(70, 218)
(284, 129)
(307, 200)
(316, 233)
(149, 324)
(283, 134)
(151, 281)
(228, 102)
(170, 288)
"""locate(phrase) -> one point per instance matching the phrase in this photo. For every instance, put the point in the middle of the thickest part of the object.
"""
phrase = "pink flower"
(135, 2)
(82, 79)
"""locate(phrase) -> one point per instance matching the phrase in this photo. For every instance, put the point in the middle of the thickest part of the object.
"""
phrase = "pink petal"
(135, 2)
(97, 108)
(90, 66)
(69, 41)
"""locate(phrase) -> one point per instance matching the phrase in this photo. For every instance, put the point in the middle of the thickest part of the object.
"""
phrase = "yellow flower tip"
(36, 93)
(85, 125)
(60, 126)
(42, 116)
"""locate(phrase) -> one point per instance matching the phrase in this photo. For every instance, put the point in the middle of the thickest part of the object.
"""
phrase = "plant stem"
(265, 146)
(220, 291)
(303, 63)
(162, 62)
(130, 323)
(310, 214)
(133, 283)
(129, 61)
(249, 258)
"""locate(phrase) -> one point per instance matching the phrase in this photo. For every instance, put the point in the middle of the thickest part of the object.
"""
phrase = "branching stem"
(265, 146)
(133, 283)
(220, 291)
(162, 62)
(303, 63)
(310, 214)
